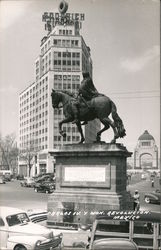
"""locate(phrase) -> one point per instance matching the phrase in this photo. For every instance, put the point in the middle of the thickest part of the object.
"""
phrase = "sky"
(124, 39)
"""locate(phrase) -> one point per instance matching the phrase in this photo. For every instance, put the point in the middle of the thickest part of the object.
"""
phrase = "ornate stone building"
(146, 153)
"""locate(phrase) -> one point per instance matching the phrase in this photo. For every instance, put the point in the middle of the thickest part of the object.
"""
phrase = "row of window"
(56, 55)
(147, 143)
(66, 128)
(65, 43)
(34, 103)
(61, 65)
(66, 78)
(31, 114)
(66, 86)
(67, 65)
(60, 43)
(43, 114)
(26, 108)
(66, 55)
(35, 142)
(68, 138)
(65, 32)
(34, 88)
(26, 101)
(36, 148)
(36, 118)
(39, 132)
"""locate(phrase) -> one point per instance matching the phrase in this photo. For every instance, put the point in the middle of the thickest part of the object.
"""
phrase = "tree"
(29, 155)
(9, 152)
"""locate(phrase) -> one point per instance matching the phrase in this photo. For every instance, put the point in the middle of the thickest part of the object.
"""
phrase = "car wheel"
(36, 190)
(20, 247)
(147, 200)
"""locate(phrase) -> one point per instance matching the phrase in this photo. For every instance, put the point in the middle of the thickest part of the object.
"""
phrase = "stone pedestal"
(90, 178)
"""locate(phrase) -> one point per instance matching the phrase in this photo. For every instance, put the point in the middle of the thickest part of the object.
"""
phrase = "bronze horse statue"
(99, 107)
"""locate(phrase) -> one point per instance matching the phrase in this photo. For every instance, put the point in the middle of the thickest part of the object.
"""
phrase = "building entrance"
(146, 153)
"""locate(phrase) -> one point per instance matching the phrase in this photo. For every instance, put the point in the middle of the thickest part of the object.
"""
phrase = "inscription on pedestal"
(89, 179)
(85, 176)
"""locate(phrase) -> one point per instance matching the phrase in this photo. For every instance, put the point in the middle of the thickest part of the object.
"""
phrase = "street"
(12, 194)
(144, 186)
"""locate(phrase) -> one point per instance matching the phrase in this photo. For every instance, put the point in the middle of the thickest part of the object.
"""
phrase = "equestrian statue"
(87, 105)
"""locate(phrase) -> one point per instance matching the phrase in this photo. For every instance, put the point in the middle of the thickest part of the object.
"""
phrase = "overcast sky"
(124, 39)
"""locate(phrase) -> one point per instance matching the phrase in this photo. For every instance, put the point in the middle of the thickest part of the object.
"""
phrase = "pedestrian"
(152, 183)
(136, 200)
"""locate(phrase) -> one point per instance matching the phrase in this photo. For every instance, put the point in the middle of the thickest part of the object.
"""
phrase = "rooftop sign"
(62, 18)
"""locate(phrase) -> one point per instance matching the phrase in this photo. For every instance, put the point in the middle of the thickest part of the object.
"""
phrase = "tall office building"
(63, 57)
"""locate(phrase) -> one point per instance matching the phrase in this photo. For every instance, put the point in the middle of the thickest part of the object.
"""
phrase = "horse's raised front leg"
(66, 120)
(80, 131)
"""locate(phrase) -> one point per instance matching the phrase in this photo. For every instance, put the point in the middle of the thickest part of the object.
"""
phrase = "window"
(147, 143)
(1, 222)
(143, 228)
(55, 42)
(63, 43)
(16, 219)
(76, 42)
(112, 226)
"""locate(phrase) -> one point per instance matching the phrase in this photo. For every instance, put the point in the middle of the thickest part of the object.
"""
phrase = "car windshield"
(17, 219)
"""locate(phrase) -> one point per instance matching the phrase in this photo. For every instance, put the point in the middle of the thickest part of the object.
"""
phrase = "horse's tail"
(117, 121)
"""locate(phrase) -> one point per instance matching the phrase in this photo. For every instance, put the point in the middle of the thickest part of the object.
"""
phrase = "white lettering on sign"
(53, 19)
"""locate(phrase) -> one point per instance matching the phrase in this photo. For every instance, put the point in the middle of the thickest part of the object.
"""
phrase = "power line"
(135, 97)
(134, 92)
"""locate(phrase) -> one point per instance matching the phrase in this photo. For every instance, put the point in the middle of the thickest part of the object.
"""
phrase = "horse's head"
(55, 98)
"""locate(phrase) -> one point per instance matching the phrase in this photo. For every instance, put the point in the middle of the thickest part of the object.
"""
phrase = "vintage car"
(153, 197)
(17, 232)
(20, 177)
(42, 179)
(27, 182)
(114, 244)
(2, 179)
(125, 230)
(46, 186)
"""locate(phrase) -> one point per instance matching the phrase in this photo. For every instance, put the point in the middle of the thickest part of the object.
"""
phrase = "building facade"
(63, 57)
(146, 153)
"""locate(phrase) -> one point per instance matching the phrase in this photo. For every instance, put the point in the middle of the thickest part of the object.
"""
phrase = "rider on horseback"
(86, 92)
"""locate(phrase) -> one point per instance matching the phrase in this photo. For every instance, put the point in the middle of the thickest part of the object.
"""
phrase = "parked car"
(2, 180)
(153, 197)
(40, 180)
(20, 177)
(17, 232)
(46, 186)
(114, 244)
(27, 182)
(122, 230)
(7, 177)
